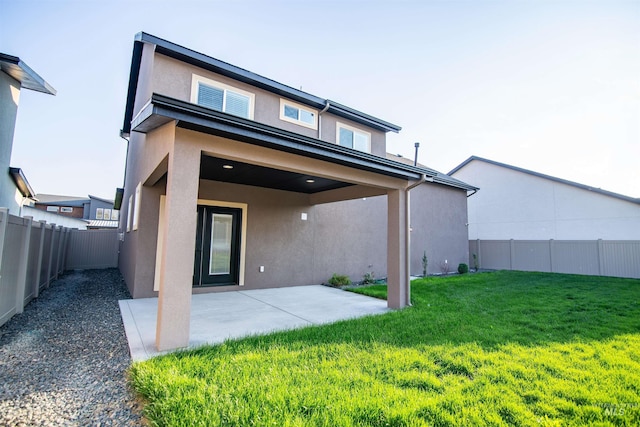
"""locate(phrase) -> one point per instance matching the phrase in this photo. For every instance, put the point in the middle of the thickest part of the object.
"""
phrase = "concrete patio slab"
(216, 317)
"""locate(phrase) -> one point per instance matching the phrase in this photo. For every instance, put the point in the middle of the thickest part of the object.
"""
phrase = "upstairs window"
(99, 213)
(298, 114)
(221, 97)
(350, 137)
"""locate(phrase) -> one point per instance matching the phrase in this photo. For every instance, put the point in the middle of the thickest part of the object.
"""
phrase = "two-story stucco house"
(235, 180)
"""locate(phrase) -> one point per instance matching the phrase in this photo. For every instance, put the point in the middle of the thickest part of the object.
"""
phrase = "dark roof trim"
(21, 183)
(134, 73)
(162, 109)
(452, 182)
(29, 79)
(212, 64)
(549, 177)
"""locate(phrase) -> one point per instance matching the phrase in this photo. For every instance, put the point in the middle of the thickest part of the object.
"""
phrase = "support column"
(176, 269)
(398, 288)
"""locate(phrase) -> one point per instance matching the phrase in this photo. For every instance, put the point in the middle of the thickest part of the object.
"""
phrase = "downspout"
(422, 180)
(324, 110)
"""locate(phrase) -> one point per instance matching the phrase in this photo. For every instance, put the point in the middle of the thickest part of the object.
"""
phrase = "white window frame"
(52, 209)
(136, 207)
(99, 213)
(129, 213)
(66, 209)
(355, 130)
(286, 102)
(196, 80)
(107, 214)
(115, 215)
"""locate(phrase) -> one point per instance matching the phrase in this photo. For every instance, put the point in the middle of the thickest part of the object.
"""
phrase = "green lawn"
(503, 348)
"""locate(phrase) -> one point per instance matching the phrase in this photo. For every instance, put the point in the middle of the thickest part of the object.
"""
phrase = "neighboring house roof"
(212, 64)
(162, 109)
(549, 177)
(21, 182)
(58, 200)
(439, 177)
(29, 79)
(97, 223)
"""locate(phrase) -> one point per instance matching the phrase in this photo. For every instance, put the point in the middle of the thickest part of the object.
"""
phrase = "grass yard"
(503, 348)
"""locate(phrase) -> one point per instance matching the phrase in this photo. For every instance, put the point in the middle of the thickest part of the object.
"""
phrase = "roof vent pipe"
(324, 110)
(415, 160)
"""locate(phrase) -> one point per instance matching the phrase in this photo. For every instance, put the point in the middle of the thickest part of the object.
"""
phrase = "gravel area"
(63, 361)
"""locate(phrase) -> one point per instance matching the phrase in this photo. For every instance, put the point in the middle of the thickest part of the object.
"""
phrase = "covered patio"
(216, 317)
(190, 142)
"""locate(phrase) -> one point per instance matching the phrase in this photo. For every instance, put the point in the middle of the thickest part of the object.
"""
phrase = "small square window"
(66, 209)
(52, 209)
(350, 137)
(298, 114)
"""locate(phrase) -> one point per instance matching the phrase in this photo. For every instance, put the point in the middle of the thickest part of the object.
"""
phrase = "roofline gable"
(544, 176)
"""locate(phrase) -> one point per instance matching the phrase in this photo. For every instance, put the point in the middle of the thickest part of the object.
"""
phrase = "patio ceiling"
(216, 169)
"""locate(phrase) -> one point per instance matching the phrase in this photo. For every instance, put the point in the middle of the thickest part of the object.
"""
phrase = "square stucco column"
(398, 291)
(176, 271)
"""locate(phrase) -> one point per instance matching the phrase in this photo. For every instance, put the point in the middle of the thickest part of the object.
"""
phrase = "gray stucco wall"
(351, 238)
(9, 100)
(173, 78)
(439, 226)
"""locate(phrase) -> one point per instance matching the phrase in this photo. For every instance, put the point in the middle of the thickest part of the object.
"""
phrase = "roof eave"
(29, 79)
(21, 183)
(162, 109)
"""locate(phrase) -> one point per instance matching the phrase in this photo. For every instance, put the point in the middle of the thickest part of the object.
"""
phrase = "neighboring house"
(235, 181)
(15, 75)
(54, 218)
(516, 203)
(94, 211)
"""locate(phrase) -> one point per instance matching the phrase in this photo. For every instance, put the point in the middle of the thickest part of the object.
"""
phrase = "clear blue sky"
(552, 86)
